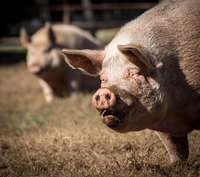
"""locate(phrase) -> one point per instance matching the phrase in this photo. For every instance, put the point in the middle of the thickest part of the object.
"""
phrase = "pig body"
(150, 74)
(44, 59)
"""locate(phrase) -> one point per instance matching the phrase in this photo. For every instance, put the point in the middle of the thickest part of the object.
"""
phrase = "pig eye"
(133, 72)
(103, 79)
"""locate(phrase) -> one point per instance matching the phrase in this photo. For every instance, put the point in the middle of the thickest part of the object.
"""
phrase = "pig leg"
(177, 147)
(47, 90)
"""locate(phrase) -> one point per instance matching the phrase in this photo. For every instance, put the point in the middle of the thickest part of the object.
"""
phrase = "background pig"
(44, 59)
(150, 74)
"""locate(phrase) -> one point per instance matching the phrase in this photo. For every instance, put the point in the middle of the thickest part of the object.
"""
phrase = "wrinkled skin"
(45, 61)
(150, 75)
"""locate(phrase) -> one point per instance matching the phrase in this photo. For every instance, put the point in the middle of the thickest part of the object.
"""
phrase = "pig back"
(75, 38)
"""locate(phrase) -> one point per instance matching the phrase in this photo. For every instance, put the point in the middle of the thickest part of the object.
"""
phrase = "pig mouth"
(113, 118)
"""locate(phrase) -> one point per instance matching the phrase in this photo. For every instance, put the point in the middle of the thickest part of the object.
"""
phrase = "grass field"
(67, 137)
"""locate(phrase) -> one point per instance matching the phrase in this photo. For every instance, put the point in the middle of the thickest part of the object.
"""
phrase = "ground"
(67, 137)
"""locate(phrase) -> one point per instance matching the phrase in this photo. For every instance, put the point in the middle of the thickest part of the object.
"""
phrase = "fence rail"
(66, 8)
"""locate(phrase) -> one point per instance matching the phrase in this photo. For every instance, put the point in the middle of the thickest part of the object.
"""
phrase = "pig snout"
(34, 68)
(111, 108)
(103, 99)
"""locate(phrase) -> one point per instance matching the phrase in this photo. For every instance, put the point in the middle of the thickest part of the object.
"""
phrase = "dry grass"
(67, 138)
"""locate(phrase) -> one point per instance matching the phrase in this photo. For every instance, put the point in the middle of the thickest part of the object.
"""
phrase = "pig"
(150, 75)
(46, 62)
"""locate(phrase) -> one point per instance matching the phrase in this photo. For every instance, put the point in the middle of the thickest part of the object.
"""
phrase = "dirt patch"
(67, 137)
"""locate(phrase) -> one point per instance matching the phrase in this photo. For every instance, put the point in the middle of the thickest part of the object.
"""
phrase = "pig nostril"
(97, 98)
(108, 96)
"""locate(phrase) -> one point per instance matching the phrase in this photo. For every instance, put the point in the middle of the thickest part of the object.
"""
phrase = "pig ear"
(135, 53)
(87, 60)
(24, 37)
(50, 33)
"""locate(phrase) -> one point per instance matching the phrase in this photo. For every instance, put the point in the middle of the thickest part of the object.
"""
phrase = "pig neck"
(174, 126)
(179, 122)
(180, 115)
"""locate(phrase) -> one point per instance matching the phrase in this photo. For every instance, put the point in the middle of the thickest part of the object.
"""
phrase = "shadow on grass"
(190, 167)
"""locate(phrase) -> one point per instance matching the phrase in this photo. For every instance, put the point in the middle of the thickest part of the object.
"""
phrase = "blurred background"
(91, 15)
(88, 14)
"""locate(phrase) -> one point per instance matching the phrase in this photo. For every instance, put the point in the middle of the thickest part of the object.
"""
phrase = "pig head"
(150, 76)
(44, 59)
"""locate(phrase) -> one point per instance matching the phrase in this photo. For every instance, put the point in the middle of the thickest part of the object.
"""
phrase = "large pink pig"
(44, 59)
(150, 74)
